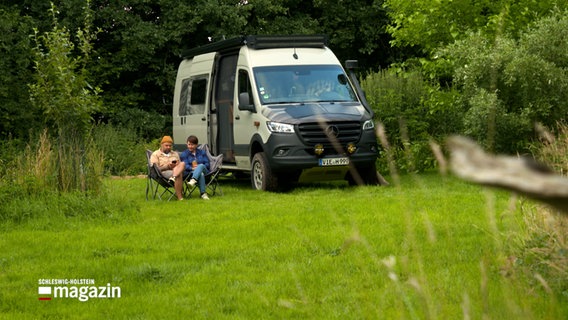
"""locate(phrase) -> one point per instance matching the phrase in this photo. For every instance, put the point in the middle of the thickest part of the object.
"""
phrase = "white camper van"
(280, 108)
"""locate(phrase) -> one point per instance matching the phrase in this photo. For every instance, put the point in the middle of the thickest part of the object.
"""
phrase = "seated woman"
(196, 164)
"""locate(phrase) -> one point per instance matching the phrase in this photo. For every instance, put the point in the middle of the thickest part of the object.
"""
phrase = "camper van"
(281, 109)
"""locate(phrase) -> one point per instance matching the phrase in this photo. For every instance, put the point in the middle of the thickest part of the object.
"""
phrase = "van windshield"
(307, 83)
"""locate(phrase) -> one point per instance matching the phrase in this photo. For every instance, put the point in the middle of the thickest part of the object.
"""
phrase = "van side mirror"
(244, 102)
(351, 66)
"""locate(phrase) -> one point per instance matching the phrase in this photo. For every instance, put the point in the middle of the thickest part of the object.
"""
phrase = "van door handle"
(237, 117)
(203, 119)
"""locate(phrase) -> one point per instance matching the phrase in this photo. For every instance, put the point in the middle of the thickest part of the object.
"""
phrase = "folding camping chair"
(211, 179)
(156, 184)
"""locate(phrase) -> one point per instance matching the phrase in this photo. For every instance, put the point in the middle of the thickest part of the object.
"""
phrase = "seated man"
(170, 165)
(197, 164)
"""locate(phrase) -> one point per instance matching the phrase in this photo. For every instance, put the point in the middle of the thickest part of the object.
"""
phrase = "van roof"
(259, 42)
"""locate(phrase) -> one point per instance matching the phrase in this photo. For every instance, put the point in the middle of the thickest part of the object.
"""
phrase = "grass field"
(430, 248)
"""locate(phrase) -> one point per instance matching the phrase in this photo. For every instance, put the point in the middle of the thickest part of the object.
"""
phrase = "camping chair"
(211, 179)
(156, 184)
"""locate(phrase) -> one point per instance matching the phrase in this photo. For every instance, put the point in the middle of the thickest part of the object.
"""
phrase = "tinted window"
(193, 95)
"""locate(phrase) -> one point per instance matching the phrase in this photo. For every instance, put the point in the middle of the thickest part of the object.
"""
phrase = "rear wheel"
(262, 177)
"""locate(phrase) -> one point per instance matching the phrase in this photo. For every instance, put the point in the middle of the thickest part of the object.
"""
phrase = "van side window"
(244, 84)
(192, 97)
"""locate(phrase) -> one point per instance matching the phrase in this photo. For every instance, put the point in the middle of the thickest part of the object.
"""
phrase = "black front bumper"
(286, 152)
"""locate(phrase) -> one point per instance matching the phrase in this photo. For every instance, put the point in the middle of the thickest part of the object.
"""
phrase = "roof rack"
(260, 42)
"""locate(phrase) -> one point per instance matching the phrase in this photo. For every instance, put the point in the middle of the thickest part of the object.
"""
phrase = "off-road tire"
(261, 176)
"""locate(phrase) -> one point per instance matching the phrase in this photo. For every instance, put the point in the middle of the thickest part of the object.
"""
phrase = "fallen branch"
(524, 176)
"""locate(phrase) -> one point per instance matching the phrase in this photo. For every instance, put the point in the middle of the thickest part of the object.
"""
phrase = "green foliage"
(489, 123)
(413, 113)
(123, 150)
(430, 25)
(508, 85)
(15, 59)
(356, 29)
(141, 43)
(138, 47)
(61, 89)
(63, 94)
(146, 125)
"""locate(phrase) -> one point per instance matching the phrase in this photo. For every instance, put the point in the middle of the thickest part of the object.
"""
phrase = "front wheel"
(261, 176)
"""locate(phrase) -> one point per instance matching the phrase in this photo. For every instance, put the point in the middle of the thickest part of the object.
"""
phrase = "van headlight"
(280, 127)
(368, 125)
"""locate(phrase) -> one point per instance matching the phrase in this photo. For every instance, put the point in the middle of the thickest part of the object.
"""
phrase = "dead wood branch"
(470, 162)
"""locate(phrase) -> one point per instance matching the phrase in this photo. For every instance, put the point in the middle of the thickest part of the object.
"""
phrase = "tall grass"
(553, 147)
(544, 251)
(45, 167)
(31, 184)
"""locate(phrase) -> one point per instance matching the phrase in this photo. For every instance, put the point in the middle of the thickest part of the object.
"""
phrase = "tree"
(139, 46)
(66, 99)
(357, 30)
(430, 25)
(15, 73)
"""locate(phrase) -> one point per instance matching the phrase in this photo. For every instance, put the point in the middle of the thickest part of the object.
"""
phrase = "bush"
(508, 84)
(146, 125)
(488, 122)
(123, 150)
(413, 112)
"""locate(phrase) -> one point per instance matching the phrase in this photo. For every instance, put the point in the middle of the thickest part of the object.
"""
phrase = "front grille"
(315, 132)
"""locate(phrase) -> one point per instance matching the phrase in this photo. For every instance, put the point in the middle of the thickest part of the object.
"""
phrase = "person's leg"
(201, 181)
(178, 169)
(199, 174)
(178, 186)
(197, 171)
(178, 182)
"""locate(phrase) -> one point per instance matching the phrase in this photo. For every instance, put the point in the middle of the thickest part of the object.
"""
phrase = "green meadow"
(429, 247)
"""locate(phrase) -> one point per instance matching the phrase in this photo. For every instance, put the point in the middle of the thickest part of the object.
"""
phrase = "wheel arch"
(256, 146)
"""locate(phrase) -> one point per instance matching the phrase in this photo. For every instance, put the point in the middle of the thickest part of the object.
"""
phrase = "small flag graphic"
(44, 290)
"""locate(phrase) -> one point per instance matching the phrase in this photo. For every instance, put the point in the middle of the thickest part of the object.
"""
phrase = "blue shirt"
(188, 157)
